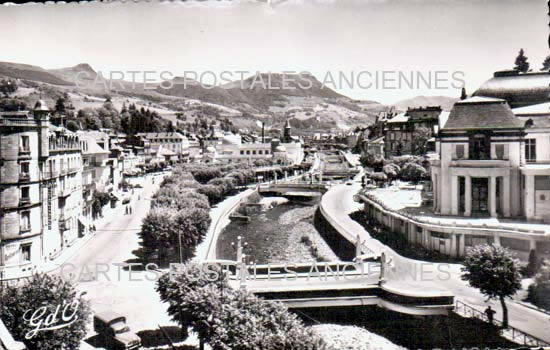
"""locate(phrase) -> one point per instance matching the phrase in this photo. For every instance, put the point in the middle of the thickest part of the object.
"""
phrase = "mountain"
(271, 97)
(34, 73)
(259, 91)
(445, 102)
(80, 73)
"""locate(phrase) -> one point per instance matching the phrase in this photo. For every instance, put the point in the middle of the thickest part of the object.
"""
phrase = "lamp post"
(181, 252)
(240, 260)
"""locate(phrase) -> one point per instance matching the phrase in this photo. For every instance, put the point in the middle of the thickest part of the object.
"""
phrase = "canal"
(283, 232)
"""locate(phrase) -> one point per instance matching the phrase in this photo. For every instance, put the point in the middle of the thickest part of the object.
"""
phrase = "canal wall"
(220, 218)
(344, 249)
(402, 276)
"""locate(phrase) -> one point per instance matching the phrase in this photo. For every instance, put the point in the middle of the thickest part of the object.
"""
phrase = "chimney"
(263, 132)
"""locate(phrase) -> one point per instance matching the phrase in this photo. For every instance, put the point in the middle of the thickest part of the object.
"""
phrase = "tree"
(539, 290)
(231, 319)
(60, 105)
(420, 139)
(391, 170)
(522, 65)
(12, 105)
(546, 64)
(372, 160)
(99, 200)
(379, 177)
(532, 264)
(495, 272)
(72, 125)
(413, 172)
(20, 302)
(8, 87)
(157, 232)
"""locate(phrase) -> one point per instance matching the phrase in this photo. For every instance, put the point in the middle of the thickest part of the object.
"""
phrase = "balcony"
(480, 163)
(63, 225)
(50, 174)
(73, 169)
(24, 201)
(64, 192)
(25, 152)
(24, 177)
(6, 121)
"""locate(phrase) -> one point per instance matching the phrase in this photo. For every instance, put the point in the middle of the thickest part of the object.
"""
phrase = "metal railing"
(509, 333)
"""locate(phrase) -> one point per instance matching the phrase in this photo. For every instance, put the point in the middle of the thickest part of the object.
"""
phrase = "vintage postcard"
(275, 175)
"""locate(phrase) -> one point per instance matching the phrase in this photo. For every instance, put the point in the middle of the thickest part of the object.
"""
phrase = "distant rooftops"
(424, 109)
(161, 135)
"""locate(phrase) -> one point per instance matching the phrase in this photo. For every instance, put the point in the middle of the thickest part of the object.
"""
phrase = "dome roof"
(519, 89)
(280, 148)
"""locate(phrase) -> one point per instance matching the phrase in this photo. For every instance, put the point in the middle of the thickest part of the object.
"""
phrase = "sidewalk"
(521, 317)
(109, 214)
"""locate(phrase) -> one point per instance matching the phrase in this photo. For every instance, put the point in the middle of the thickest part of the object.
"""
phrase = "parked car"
(115, 332)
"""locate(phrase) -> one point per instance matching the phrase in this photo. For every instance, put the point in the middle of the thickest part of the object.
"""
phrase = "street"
(108, 286)
(531, 321)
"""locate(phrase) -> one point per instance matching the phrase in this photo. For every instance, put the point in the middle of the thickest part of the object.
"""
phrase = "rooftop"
(482, 113)
(400, 118)
(538, 109)
(161, 135)
(519, 89)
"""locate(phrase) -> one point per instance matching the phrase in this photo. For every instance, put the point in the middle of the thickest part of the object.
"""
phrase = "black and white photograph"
(275, 175)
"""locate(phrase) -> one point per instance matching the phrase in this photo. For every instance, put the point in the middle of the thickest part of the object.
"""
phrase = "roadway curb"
(532, 307)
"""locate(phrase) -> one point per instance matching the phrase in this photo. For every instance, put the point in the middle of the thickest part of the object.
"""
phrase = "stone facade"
(40, 188)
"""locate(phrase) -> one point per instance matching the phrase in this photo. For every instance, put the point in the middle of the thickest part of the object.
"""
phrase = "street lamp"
(240, 260)
(181, 252)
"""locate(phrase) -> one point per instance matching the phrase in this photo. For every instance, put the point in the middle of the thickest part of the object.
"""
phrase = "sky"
(464, 40)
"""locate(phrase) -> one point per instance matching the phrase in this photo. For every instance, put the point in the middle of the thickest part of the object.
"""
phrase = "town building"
(480, 149)
(400, 130)
(171, 141)
(40, 189)
(230, 149)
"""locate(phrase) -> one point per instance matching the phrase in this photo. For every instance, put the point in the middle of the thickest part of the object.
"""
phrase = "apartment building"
(399, 130)
(172, 141)
(40, 189)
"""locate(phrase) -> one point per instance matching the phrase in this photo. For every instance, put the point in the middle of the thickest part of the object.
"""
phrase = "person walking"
(490, 314)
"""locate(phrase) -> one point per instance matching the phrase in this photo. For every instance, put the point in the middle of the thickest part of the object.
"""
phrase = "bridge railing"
(509, 333)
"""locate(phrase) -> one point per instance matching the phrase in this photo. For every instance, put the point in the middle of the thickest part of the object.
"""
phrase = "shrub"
(48, 292)
(235, 319)
(413, 172)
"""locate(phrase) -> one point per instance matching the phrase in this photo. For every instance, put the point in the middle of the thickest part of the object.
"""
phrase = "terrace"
(406, 200)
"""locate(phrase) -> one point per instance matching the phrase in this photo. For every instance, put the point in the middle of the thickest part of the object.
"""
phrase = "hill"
(270, 97)
(28, 72)
(445, 102)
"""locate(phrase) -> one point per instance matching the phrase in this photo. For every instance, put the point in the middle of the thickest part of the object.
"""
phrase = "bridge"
(361, 282)
(294, 189)
(332, 284)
